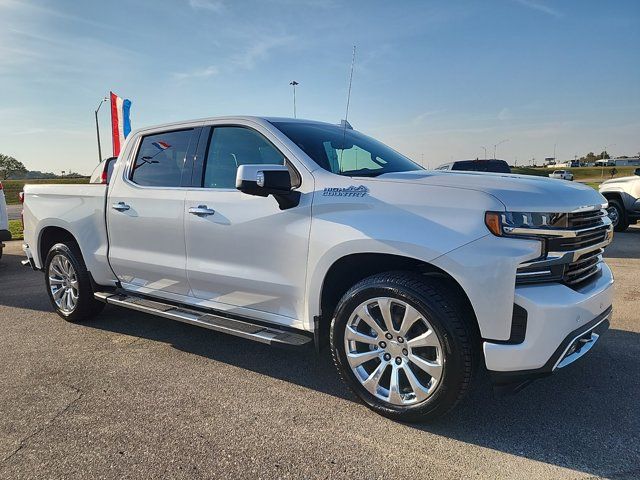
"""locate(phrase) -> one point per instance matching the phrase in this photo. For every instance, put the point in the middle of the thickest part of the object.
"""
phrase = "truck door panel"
(249, 253)
(145, 214)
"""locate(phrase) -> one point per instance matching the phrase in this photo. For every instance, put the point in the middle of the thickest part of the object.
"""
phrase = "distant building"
(566, 164)
(627, 162)
(607, 162)
(619, 162)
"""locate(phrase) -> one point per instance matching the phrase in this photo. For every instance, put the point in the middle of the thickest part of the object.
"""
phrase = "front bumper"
(562, 325)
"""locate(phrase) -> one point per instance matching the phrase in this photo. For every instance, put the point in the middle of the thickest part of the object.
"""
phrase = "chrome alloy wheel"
(614, 216)
(393, 351)
(63, 283)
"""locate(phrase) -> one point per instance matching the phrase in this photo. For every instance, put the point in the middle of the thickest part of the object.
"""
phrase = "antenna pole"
(346, 114)
(353, 61)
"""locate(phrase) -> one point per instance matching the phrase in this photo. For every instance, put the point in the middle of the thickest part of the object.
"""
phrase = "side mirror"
(637, 171)
(265, 180)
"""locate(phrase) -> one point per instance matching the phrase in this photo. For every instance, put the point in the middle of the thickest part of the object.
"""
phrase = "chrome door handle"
(201, 211)
(120, 206)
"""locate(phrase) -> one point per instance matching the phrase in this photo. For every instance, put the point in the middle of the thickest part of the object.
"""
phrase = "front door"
(145, 215)
(244, 254)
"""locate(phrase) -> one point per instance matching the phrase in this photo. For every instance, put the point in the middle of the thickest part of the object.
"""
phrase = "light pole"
(293, 83)
(495, 147)
(604, 152)
(98, 128)
(485, 151)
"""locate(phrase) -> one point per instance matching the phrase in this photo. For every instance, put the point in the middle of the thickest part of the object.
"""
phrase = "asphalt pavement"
(129, 395)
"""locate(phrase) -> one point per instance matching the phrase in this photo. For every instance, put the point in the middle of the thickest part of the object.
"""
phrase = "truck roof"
(231, 118)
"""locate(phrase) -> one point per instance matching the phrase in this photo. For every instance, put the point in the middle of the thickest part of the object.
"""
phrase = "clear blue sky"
(436, 80)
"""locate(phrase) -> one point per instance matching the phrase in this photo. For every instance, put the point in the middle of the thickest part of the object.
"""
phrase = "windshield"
(345, 152)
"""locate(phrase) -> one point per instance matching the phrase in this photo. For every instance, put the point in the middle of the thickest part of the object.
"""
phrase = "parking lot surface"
(129, 395)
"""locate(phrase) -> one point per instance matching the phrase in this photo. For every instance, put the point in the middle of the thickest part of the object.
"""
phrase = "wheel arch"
(51, 235)
(613, 196)
(346, 271)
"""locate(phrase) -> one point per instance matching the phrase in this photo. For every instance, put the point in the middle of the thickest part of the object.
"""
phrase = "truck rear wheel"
(69, 285)
(617, 215)
(400, 343)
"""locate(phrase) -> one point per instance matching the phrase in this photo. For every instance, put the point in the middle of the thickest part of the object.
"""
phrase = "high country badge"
(350, 191)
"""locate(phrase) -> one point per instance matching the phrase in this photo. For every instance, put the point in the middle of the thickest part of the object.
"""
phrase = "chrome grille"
(585, 219)
(585, 237)
(573, 250)
(578, 272)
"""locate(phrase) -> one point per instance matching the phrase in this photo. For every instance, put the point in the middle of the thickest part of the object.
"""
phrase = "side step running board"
(219, 323)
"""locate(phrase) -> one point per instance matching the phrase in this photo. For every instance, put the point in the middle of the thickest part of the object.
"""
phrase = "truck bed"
(79, 209)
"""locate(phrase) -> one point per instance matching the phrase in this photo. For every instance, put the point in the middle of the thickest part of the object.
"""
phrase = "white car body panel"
(255, 260)
(553, 310)
(228, 262)
(78, 209)
(627, 187)
(384, 222)
(4, 218)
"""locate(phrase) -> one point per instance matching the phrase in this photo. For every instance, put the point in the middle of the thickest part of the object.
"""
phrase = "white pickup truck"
(623, 195)
(293, 232)
(5, 234)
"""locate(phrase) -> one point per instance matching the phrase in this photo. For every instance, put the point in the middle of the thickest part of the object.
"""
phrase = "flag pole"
(98, 128)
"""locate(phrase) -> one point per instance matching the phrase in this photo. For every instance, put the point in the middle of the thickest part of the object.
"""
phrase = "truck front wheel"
(400, 343)
(69, 285)
(617, 215)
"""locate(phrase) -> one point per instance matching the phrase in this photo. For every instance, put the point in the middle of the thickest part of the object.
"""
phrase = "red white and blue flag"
(161, 145)
(120, 121)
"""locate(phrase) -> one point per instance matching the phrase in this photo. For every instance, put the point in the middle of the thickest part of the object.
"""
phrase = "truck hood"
(516, 192)
(622, 180)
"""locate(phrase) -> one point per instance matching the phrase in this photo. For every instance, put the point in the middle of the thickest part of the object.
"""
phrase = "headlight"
(517, 223)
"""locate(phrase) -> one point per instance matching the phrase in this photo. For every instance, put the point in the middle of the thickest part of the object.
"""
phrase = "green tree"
(9, 166)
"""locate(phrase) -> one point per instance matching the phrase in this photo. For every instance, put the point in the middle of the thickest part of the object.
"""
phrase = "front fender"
(413, 221)
(627, 199)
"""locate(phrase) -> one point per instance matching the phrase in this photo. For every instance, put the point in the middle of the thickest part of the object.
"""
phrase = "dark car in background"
(493, 165)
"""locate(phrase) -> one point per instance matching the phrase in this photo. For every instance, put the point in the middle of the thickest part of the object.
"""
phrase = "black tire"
(622, 223)
(87, 306)
(444, 313)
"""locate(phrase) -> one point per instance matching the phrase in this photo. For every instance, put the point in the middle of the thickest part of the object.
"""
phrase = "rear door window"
(160, 161)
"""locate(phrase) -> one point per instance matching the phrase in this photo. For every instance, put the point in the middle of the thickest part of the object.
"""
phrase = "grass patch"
(579, 172)
(538, 172)
(596, 172)
(15, 227)
(595, 185)
(13, 187)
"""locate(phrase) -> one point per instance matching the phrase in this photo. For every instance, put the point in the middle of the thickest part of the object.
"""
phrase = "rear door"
(145, 213)
(246, 255)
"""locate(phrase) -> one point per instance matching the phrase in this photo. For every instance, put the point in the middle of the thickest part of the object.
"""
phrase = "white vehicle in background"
(562, 175)
(293, 232)
(5, 234)
(623, 195)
